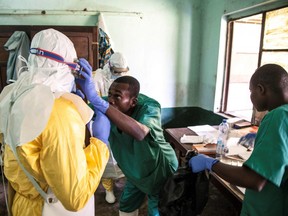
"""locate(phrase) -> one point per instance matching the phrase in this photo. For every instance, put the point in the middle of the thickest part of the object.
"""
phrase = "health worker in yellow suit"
(44, 131)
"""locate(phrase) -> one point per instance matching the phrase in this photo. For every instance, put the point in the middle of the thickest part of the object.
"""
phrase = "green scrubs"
(147, 163)
(270, 160)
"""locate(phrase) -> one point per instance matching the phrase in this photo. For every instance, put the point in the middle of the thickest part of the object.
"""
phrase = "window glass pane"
(276, 29)
(275, 58)
(244, 60)
(245, 37)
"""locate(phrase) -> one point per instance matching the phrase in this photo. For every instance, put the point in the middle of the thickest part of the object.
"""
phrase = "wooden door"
(84, 39)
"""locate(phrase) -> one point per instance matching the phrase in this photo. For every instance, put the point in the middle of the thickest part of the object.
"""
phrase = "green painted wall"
(214, 14)
(172, 46)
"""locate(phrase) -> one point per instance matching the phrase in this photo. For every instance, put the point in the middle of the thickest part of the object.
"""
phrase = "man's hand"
(88, 86)
(101, 127)
(201, 162)
(248, 140)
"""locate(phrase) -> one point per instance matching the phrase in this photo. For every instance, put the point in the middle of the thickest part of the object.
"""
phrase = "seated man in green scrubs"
(136, 140)
(265, 173)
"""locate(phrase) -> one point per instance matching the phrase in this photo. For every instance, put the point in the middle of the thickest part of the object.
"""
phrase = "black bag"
(184, 193)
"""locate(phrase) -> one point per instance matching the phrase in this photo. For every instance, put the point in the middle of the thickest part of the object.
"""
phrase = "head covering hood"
(116, 66)
(25, 105)
(117, 60)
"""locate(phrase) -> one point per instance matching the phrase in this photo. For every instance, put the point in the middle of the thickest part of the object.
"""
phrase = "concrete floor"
(217, 204)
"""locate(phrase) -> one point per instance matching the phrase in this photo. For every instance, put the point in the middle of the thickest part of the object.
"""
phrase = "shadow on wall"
(188, 116)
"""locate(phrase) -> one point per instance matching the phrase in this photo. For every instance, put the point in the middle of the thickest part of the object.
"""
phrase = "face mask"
(59, 79)
(116, 75)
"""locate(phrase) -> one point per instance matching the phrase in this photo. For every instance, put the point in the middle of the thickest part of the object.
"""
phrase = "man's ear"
(134, 102)
(261, 89)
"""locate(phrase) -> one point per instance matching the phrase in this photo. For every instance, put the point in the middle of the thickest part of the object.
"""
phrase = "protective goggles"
(55, 57)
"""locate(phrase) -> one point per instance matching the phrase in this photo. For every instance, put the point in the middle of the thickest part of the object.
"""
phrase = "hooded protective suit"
(117, 66)
(45, 124)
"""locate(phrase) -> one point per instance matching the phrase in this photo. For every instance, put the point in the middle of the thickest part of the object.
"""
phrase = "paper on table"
(191, 139)
(202, 129)
(235, 149)
(210, 133)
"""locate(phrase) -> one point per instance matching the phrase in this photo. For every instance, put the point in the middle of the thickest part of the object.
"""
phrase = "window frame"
(228, 56)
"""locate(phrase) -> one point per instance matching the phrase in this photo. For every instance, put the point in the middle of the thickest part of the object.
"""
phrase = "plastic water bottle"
(223, 134)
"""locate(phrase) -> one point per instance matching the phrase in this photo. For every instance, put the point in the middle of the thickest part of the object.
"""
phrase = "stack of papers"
(203, 129)
(236, 149)
(209, 133)
(191, 139)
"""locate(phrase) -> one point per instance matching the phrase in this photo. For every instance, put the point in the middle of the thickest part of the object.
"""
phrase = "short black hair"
(271, 76)
(134, 85)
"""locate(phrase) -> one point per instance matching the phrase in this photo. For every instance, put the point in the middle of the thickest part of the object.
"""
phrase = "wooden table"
(173, 136)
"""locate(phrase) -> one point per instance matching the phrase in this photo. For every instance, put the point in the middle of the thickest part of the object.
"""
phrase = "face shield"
(51, 60)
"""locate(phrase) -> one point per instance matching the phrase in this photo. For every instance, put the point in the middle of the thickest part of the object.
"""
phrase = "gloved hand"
(88, 86)
(79, 93)
(247, 140)
(101, 127)
(201, 162)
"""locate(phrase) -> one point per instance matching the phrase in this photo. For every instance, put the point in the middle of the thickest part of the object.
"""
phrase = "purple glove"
(79, 93)
(248, 140)
(101, 127)
(88, 86)
(201, 162)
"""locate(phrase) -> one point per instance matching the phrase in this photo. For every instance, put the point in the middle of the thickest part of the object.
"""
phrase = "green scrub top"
(146, 163)
(270, 160)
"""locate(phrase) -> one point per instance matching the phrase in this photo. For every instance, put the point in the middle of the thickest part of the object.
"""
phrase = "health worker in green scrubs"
(136, 140)
(265, 173)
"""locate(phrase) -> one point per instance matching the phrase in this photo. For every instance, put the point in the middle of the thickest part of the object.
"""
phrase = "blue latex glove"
(201, 162)
(79, 93)
(88, 86)
(248, 140)
(101, 127)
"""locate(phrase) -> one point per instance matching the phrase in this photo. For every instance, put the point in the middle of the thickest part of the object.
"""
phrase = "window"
(251, 42)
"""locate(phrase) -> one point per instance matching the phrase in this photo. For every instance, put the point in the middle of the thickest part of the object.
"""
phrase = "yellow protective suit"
(108, 184)
(56, 158)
